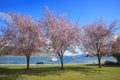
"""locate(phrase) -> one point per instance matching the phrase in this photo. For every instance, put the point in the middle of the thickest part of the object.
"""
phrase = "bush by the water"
(110, 63)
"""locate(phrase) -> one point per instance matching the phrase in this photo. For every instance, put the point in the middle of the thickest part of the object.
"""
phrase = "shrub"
(109, 62)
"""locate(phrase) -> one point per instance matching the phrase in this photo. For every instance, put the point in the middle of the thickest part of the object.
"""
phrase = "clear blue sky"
(84, 11)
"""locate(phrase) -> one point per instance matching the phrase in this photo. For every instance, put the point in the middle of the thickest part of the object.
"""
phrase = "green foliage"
(117, 57)
(110, 63)
(53, 72)
(116, 49)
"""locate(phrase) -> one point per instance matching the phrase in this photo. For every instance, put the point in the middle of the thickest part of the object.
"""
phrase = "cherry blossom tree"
(98, 38)
(4, 41)
(4, 34)
(25, 36)
(63, 35)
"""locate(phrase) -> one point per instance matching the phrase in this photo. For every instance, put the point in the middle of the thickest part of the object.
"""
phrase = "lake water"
(67, 60)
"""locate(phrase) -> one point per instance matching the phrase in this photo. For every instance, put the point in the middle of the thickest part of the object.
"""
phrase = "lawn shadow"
(104, 65)
(9, 74)
(111, 65)
(13, 74)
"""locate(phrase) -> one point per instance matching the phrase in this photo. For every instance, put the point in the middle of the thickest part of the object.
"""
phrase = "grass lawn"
(53, 72)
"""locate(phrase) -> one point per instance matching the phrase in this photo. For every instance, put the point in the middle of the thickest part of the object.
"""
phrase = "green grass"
(53, 72)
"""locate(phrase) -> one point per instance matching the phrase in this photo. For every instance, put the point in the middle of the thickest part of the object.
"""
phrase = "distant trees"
(97, 39)
(116, 49)
(63, 35)
(25, 35)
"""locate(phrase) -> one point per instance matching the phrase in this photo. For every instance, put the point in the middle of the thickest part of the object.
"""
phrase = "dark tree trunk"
(99, 60)
(99, 63)
(28, 62)
(61, 60)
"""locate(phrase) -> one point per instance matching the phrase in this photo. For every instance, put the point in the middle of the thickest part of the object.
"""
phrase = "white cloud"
(68, 53)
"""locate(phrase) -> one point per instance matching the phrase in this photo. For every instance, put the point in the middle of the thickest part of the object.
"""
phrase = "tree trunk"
(99, 59)
(61, 60)
(28, 62)
(99, 62)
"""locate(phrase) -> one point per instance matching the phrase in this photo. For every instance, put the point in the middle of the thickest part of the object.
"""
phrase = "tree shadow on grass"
(13, 74)
(105, 65)
(10, 77)
(111, 65)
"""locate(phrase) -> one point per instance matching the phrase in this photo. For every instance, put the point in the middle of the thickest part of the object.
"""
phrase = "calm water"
(67, 60)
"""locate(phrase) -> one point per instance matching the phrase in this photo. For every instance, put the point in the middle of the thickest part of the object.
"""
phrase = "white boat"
(53, 59)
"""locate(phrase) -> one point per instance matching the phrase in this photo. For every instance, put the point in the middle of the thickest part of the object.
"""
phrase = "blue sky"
(79, 11)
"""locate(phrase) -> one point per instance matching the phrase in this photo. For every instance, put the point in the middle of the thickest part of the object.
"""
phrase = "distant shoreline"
(46, 60)
(48, 64)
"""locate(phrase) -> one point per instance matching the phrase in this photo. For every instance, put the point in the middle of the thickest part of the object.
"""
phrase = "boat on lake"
(53, 59)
